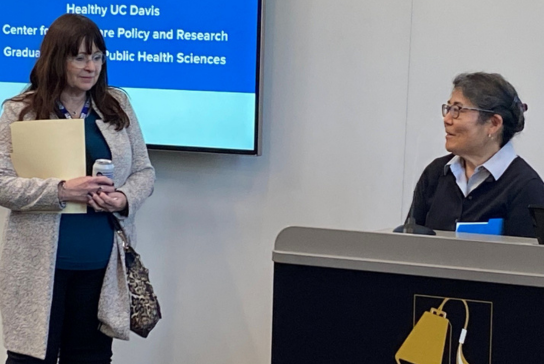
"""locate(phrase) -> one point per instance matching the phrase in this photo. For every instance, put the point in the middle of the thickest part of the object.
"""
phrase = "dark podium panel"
(355, 297)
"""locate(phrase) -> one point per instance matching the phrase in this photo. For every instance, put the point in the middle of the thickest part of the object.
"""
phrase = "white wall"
(346, 83)
(329, 124)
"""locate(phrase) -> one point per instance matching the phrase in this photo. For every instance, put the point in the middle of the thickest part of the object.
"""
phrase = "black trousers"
(74, 337)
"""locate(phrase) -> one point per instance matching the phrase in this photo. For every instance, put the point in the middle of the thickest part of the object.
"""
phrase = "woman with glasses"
(63, 290)
(482, 178)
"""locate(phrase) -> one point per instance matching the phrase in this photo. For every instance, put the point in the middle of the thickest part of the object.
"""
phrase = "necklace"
(70, 112)
(75, 110)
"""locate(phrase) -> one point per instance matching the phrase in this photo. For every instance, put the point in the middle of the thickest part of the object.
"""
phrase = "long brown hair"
(48, 77)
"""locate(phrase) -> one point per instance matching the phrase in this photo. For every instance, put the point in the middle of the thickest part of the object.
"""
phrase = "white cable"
(462, 336)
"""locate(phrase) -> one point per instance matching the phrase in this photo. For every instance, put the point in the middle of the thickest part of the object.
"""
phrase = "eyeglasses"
(81, 60)
(456, 109)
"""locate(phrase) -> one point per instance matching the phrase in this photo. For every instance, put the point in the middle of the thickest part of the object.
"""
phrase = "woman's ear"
(495, 124)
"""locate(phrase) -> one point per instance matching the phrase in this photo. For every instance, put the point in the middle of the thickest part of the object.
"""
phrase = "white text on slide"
(123, 10)
(21, 53)
(165, 57)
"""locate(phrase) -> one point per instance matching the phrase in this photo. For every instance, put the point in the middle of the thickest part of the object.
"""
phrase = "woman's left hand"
(110, 202)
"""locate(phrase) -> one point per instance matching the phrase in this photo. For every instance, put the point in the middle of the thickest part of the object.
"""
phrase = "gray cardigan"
(27, 264)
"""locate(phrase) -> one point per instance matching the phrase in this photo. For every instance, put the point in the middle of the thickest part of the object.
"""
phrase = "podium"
(355, 297)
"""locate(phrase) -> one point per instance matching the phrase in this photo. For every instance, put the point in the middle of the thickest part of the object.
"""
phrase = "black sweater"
(439, 203)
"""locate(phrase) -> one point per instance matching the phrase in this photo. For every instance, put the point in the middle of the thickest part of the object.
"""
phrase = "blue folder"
(492, 227)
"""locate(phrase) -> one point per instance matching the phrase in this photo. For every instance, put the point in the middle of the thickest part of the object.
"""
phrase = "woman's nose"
(90, 66)
(448, 119)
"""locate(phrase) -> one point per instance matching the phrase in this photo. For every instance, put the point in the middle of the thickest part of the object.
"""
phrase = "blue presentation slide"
(189, 67)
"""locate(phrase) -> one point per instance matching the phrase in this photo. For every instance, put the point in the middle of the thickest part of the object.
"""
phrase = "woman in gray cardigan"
(63, 289)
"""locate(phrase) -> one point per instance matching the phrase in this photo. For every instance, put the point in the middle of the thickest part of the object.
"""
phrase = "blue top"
(86, 240)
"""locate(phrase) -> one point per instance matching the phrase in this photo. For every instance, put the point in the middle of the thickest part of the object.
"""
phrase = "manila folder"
(50, 148)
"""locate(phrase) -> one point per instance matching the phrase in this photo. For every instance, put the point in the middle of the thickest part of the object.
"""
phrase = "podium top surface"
(475, 257)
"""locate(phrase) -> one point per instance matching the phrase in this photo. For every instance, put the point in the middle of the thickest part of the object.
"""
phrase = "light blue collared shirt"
(494, 166)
